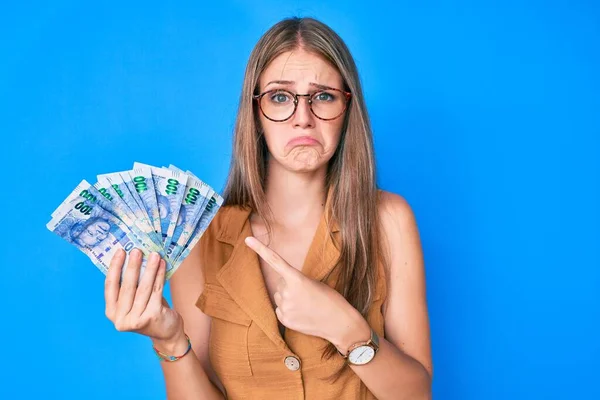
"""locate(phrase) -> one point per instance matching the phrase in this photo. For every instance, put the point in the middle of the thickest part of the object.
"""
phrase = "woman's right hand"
(140, 308)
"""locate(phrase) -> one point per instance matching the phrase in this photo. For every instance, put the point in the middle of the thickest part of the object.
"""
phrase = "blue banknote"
(206, 218)
(118, 189)
(144, 186)
(107, 202)
(165, 210)
(128, 181)
(193, 204)
(81, 220)
(169, 186)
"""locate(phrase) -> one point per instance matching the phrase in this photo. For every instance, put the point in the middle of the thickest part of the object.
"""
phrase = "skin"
(296, 172)
(295, 191)
(311, 159)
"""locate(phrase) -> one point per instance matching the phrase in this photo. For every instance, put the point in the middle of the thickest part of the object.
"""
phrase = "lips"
(300, 140)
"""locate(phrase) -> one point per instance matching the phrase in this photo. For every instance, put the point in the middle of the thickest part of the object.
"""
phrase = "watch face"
(361, 355)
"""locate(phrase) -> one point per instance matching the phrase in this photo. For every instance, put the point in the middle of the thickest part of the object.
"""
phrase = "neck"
(295, 197)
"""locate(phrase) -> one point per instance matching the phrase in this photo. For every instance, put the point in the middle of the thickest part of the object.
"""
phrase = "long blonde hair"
(351, 179)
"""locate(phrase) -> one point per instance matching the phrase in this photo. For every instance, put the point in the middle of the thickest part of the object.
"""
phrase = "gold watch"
(362, 353)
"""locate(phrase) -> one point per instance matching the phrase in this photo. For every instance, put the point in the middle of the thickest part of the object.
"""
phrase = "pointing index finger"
(273, 259)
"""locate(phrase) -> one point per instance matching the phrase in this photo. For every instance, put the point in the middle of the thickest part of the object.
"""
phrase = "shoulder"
(399, 229)
(395, 212)
(405, 309)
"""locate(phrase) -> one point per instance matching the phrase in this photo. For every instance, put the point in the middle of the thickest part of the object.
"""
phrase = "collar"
(241, 275)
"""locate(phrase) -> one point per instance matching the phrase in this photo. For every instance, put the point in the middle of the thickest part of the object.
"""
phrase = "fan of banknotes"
(164, 210)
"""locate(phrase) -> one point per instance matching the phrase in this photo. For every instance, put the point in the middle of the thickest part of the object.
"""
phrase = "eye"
(325, 97)
(280, 97)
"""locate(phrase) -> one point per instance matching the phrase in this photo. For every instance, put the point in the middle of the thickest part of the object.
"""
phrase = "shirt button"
(292, 363)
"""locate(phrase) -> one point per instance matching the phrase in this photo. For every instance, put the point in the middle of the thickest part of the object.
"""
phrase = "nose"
(303, 117)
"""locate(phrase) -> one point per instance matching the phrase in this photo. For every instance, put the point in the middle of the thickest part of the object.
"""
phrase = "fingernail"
(154, 257)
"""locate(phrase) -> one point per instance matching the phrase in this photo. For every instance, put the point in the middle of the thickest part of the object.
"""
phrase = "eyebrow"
(312, 84)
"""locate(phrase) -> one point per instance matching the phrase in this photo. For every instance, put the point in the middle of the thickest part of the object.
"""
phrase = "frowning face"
(303, 142)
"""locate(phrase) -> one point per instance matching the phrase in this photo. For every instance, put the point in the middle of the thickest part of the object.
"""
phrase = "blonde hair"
(352, 193)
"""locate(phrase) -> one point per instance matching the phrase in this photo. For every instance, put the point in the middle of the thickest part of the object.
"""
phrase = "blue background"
(486, 119)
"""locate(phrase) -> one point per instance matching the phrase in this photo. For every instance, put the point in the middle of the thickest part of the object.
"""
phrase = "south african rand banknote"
(118, 189)
(144, 186)
(156, 209)
(212, 204)
(195, 200)
(95, 231)
(169, 187)
(208, 214)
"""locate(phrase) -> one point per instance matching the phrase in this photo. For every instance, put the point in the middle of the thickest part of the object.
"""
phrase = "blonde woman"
(309, 283)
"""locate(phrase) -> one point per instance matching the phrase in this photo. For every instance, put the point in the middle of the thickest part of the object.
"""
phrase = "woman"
(309, 282)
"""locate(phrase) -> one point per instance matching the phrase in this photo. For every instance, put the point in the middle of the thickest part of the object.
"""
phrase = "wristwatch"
(362, 353)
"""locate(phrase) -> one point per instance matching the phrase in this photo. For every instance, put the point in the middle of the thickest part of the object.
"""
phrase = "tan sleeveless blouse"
(246, 348)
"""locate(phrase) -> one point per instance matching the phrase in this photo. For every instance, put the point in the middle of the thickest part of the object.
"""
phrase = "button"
(292, 363)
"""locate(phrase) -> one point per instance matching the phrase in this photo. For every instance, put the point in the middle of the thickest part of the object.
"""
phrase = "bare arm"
(143, 309)
(402, 369)
(191, 377)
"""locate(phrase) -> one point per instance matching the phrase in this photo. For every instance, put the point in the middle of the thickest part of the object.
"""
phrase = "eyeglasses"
(279, 105)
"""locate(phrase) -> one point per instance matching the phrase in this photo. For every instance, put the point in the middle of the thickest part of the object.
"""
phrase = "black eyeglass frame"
(258, 98)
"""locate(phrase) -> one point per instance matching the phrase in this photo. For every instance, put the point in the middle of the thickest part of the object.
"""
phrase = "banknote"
(211, 193)
(169, 186)
(165, 210)
(193, 204)
(208, 214)
(90, 193)
(116, 194)
(104, 199)
(144, 185)
(141, 208)
(80, 220)
(107, 202)
(147, 220)
(117, 188)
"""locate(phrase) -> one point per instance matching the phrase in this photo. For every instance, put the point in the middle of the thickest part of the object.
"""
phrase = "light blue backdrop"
(486, 118)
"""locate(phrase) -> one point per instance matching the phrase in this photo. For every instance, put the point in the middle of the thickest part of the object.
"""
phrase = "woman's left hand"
(309, 306)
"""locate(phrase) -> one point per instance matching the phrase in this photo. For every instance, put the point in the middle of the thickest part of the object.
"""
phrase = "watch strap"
(373, 342)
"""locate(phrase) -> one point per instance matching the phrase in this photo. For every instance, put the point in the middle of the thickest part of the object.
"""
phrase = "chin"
(302, 162)
(302, 166)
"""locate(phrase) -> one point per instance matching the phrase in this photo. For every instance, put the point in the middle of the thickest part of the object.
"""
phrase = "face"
(303, 142)
(94, 234)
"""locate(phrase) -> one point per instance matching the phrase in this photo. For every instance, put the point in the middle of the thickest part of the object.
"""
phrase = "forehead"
(301, 67)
